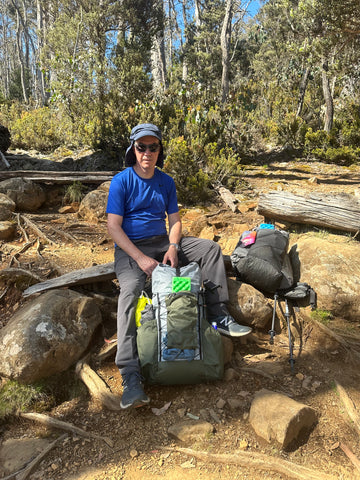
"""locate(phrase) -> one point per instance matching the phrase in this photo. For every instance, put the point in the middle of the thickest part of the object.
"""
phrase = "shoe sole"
(136, 404)
(232, 334)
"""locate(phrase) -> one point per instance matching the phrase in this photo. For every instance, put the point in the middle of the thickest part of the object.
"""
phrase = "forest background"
(224, 85)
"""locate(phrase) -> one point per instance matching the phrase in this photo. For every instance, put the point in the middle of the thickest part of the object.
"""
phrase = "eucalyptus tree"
(306, 40)
(97, 54)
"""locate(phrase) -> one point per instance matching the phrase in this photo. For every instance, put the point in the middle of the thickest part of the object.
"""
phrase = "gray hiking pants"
(132, 281)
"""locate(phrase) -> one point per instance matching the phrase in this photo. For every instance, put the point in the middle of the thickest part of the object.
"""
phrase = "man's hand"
(171, 256)
(147, 264)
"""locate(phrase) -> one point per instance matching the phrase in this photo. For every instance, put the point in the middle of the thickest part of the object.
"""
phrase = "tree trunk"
(158, 59)
(184, 44)
(197, 13)
(20, 57)
(329, 104)
(225, 46)
(4, 68)
(158, 63)
(302, 90)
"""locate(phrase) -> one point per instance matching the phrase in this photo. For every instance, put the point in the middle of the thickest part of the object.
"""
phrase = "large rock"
(7, 230)
(7, 207)
(27, 195)
(47, 335)
(93, 205)
(275, 416)
(331, 265)
(248, 306)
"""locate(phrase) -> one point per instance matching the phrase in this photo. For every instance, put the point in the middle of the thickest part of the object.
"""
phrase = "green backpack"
(176, 344)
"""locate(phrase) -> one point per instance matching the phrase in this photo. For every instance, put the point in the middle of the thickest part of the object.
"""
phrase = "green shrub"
(292, 131)
(222, 166)
(43, 129)
(350, 134)
(74, 192)
(340, 156)
(16, 397)
(322, 316)
(191, 182)
(316, 140)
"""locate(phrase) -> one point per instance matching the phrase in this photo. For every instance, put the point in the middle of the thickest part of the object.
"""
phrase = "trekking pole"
(272, 332)
(287, 316)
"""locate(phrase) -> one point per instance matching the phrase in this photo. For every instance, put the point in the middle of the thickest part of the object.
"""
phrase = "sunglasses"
(142, 147)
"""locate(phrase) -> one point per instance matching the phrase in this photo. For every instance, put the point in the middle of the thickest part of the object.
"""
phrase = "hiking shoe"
(133, 393)
(227, 326)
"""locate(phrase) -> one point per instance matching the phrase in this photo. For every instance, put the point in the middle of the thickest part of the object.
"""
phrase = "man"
(139, 199)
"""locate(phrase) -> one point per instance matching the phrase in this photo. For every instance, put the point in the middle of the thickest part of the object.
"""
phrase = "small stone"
(133, 453)
(235, 403)
(243, 445)
(220, 403)
(230, 374)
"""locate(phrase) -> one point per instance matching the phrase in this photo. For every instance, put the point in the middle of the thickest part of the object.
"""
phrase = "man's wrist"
(176, 245)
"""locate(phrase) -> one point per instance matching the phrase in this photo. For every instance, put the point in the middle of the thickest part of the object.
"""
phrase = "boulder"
(47, 335)
(7, 230)
(275, 416)
(248, 306)
(7, 207)
(93, 205)
(27, 195)
(331, 265)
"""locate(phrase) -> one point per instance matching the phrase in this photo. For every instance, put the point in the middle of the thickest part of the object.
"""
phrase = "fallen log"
(60, 178)
(340, 212)
(228, 198)
(97, 273)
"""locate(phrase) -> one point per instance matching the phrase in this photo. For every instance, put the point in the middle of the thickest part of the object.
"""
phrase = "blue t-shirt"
(143, 203)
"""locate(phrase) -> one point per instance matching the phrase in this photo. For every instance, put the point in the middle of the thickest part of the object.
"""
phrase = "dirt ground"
(142, 447)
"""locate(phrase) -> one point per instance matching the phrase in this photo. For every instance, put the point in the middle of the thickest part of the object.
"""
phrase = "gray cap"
(143, 130)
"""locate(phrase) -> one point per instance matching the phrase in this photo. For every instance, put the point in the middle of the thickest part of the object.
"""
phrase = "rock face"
(275, 416)
(47, 335)
(28, 196)
(5, 139)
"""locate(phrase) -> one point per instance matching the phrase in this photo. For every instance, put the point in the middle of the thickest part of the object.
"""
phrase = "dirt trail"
(143, 448)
